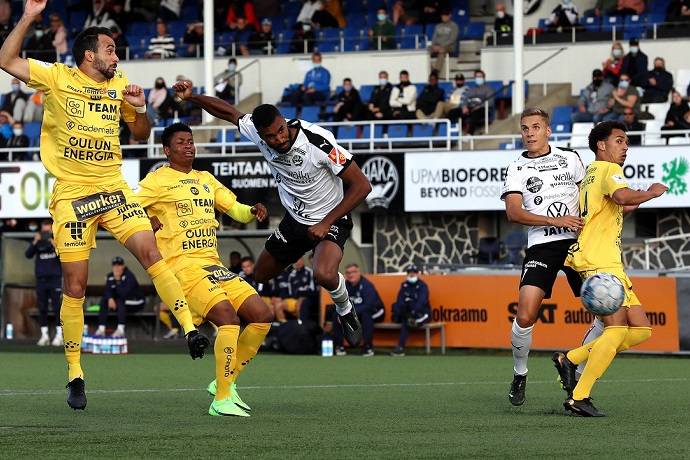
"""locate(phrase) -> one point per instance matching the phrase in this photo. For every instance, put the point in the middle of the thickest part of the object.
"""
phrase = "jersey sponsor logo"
(75, 107)
(219, 273)
(541, 167)
(538, 200)
(534, 184)
(70, 124)
(83, 149)
(194, 190)
(566, 178)
(97, 203)
(200, 238)
(76, 231)
(184, 208)
(130, 210)
(72, 88)
(563, 163)
(298, 207)
(189, 181)
(183, 223)
(281, 160)
(337, 157)
(384, 179)
(110, 112)
(557, 209)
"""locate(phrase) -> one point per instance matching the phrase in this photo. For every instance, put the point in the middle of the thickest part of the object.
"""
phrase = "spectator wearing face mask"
(19, 140)
(411, 309)
(659, 83)
(403, 100)
(379, 101)
(382, 32)
(160, 103)
(613, 65)
(623, 97)
(473, 105)
(564, 17)
(676, 115)
(14, 102)
(503, 23)
(6, 122)
(635, 63)
(349, 106)
(40, 44)
(263, 42)
(225, 86)
(316, 85)
(593, 104)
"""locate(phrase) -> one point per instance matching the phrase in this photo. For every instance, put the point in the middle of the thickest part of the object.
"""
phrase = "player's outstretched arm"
(10, 61)
(629, 197)
(216, 107)
(516, 213)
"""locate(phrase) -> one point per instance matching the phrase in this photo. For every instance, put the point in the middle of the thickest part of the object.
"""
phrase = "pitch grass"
(352, 408)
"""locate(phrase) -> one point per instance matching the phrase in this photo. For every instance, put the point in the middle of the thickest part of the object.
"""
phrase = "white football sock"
(521, 340)
(594, 331)
(58, 331)
(340, 297)
(121, 328)
(44, 331)
(101, 329)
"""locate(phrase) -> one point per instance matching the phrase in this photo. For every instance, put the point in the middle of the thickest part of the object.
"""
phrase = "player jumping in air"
(604, 197)
(310, 169)
(182, 203)
(80, 147)
(540, 190)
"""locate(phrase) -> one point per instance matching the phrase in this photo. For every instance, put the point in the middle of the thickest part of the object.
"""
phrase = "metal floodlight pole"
(519, 85)
(208, 53)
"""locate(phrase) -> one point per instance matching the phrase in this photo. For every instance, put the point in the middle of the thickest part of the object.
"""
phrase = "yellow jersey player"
(80, 147)
(604, 197)
(182, 203)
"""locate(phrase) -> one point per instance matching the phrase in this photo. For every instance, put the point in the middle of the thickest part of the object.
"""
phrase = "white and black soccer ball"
(602, 294)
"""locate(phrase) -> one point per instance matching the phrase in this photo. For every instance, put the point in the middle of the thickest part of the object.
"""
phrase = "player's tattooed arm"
(10, 61)
(516, 213)
(216, 107)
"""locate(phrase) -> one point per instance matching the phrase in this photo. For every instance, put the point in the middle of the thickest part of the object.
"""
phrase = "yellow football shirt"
(81, 123)
(599, 242)
(185, 204)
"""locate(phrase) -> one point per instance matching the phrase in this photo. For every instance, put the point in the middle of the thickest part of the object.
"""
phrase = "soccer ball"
(602, 294)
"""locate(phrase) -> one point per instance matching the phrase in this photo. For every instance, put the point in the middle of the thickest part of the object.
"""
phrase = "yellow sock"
(580, 354)
(600, 358)
(225, 351)
(164, 316)
(635, 336)
(248, 345)
(72, 322)
(170, 292)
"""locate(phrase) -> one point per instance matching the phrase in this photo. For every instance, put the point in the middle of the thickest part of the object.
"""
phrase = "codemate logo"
(70, 124)
(75, 107)
(96, 204)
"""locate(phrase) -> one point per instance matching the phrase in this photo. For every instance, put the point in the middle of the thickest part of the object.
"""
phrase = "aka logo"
(75, 107)
(194, 190)
(184, 223)
(76, 229)
(384, 179)
(538, 200)
(534, 184)
(557, 209)
(207, 188)
(70, 124)
(112, 93)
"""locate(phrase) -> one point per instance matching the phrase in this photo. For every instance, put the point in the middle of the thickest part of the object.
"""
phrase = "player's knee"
(74, 288)
(524, 319)
(149, 256)
(326, 278)
(224, 315)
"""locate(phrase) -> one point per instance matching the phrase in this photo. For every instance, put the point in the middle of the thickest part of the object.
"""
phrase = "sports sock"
(594, 332)
(164, 317)
(635, 336)
(171, 294)
(600, 358)
(226, 358)
(340, 297)
(121, 328)
(248, 345)
(521, 340)
(58, 331)
(100, 330)
(44, 330)
(72, 320)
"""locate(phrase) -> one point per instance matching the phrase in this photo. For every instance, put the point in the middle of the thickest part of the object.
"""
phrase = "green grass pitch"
(454, 406)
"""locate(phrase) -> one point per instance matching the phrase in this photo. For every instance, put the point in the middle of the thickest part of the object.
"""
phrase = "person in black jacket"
(430, 100)
(121, 294)
(677, 115)
(349, 105)
(18, 140)
(659, 83)
(379, 102)
(411, 309)
(635, 63)
(48, 281)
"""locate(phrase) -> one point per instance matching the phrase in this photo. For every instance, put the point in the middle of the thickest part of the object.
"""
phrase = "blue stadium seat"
(442, 129)
(366, 132)
(356, 44)
(33, 132)
(420, 88)
(347, 132)
(397, 130)
(542, 24)
(365, 92)
(473, 31)
(328, 46)
(177, 28)
(189, 13)
(288, 112)
(144, 29)
(609, 22)
(77, 20)
(356, 21)
(461, 16)
(635, 27)
(560, 119)
(447, 87)
(310, 113)
(422, 131)
(591, 23)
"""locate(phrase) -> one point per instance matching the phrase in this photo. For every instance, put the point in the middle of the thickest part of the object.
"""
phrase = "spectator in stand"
(593, 104)
(629, 7)
(322, 19)
(99, 16)
(39, 45)
(635, 63)
(34, 107)
(243, 32)
(430, 101)
(473, 106)
(403, 99)
(308, 9)
(194, 39)
(316, 86)
(48, 273)
(265, 290)
(411, 309)
(677, 114)
(304, 33)
(235, 260)
(241, 9)
(6, 24)
(160, 102)
(451, 108)
(503, 24)
(406, 12)
(659, 83)
(120, 40)
(603, 8)
(6, 123)
(563, 18)
(162, 46)
(19, 140)
(632, 124)
(677, 13)
(302, 287)
(368, 305)
(118, 14)
(169, 10)
(444, 40)
(267, 8)
(225, 88)
(382, 34)
(349, 106)
(379, 102)
(432, 10)
(623, 97)
(121, 294)
(263, 41)
(613, 66)
(14, 102)
(58, 34)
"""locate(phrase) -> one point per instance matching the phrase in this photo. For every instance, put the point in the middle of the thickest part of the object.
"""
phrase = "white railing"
(648, 243)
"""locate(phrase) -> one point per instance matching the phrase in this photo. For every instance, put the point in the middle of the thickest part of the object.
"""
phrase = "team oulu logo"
(384, 179)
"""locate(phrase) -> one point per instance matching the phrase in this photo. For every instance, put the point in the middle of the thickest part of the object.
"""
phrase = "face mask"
(596, 83)
(404, 83)
(33, 228)
(412, 279)
(18, 131)
(159, 85)
(316, 65)
(38, 33)
(623, 84)
(500, 14)
(232, 67)
(383, 81)
(15, 88)
(634, 49)
(617, 53)
(347, 88)
(381, 17)
(479, 81)
(306, 27)
(567, 2)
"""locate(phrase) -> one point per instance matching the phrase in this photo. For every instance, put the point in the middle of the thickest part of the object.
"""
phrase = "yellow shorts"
(630, 297)
(206, 284)
(290, 305)
(78, 210)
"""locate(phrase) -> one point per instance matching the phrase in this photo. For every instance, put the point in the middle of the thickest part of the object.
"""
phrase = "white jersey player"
(540, 190)
(310, 169)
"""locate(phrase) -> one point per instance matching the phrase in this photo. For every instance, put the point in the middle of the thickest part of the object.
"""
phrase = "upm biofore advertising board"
(478, 311)
(471, 181)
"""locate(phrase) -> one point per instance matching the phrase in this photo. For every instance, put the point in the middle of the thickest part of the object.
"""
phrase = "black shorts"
(542, 264)
(290, 240)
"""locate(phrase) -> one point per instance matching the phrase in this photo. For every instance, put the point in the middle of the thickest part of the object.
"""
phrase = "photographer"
(48, 281)
(411, 309)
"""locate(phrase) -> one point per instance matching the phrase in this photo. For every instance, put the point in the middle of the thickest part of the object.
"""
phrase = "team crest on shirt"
(297, 160)
(337, 157)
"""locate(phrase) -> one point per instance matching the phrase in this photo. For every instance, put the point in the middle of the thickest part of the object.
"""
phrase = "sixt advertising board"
(471, 181)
